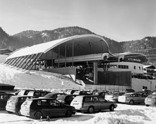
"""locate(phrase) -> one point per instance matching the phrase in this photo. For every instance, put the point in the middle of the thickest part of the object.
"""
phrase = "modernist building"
(73, 56)
(83, 58)
(142, 74)
(133, 62)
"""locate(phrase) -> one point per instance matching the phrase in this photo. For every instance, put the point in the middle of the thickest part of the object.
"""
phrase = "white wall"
(137, 84)
(106, 87)
(131, 67)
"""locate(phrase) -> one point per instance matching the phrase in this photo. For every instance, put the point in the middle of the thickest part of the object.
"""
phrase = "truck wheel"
(131, 102)
(111, 108)
(38, 115)
(68, 113)
(91, 109)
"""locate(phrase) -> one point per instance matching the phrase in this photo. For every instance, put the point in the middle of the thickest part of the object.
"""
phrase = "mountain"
(146, 45)
(114, 46)
(30, 37)
(48, 35)
(4, 38)
(139, 45)
(3, 34)
(11, 42)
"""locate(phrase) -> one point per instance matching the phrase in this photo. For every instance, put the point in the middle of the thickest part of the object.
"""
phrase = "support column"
(95, 66)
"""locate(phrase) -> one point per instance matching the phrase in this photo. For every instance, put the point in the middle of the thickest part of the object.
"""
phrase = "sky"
(121, 20)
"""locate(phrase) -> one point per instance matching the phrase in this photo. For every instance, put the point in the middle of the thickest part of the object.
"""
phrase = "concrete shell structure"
(43, 66)
(70, 49)
(58, 58)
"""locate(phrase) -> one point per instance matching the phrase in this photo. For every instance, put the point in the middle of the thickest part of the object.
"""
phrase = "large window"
(112, 66)
(134, 67)
(123, 66)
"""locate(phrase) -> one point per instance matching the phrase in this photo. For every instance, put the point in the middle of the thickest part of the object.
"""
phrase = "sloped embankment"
(35, 79)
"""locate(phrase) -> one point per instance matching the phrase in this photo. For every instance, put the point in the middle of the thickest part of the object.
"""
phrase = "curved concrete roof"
(127, 55)
(80, 39)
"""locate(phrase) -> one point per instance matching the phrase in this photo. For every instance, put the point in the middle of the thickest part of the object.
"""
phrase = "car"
(38, 108)
(22, 92)
(4, 96)
(103, 93)
(150, 100)
(66, 99)
(92, 103)
(129, 90)
(83, 92)
(14, 103)
(113, 96)
(31, 92)
(37, 93)
(133, 97)
(53, 95)
(8, 87)
(70, 91)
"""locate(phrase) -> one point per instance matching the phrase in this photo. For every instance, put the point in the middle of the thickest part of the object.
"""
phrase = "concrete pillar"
(95, 66)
